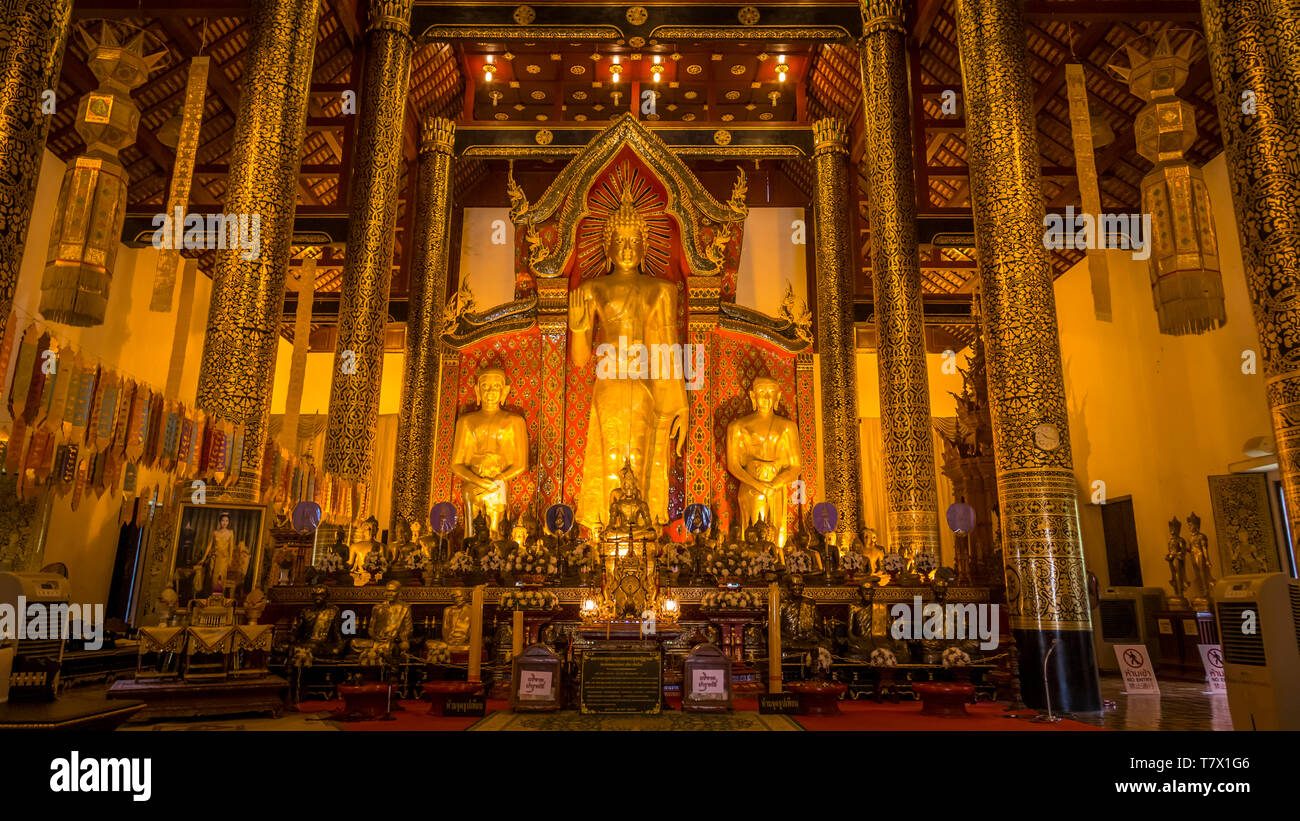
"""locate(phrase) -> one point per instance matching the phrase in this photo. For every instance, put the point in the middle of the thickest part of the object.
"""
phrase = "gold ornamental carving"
(244, 316)
(1045, 574)
(911, 495)
(637, 15)
(368, 258)
(543, 136)
(748, 16)
(421, 366)
(30, 61)
(722, 137)
(524, 15)
(835, 332)
(1254, 58)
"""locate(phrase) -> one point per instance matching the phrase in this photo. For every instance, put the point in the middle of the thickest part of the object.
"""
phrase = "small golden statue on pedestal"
(363, 547)
(1199, 548)
(391, 626)
(629, 515)
(763, 455)
(1177, 559)
(490, 447)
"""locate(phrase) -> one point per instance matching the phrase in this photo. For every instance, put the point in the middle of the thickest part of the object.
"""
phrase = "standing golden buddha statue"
(626, 317)
(763, 455)
(490, 447)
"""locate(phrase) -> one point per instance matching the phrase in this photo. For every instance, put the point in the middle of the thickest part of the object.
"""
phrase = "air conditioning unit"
(1127, 616)
(1262, 667)
(34, 674)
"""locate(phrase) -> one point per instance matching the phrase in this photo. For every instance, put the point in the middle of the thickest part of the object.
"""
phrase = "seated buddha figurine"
(629, 515)
(315, 632)
(404, 545)
(390, 630)
(455, 626)
(489, 448)
(763, 455)
(358, 550)
(428, 545)
(800, 627)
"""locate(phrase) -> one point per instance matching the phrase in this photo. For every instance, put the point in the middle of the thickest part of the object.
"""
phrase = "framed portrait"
(218, 547)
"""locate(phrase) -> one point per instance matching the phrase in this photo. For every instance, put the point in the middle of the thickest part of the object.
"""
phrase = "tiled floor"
(1181, 705)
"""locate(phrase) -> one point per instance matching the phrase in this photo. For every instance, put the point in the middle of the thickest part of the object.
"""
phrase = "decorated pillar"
(1255, 64)
(417, 416)
(368, 260)
(244, 315)
(835, 333)
(1047, 596)
(911, 497)
(31, 55)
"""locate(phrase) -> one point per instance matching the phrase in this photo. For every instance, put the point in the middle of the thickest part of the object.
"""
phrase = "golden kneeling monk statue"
(638, 405)
(490, 448)
(391, 626)
(763, 454)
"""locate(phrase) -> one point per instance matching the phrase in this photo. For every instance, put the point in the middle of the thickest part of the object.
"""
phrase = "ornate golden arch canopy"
(708, 228)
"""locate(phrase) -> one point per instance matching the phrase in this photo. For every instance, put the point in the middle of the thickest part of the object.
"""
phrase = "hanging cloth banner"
(80, 398)
(185, 449)
(171, 435)
(236, 455)
(36, 385)
(218, 455)
(7, 341)
(301, 347)
(106, 412)
(79, 484)
(54, 417)
(130, 478)
(153, 437)
(54, 374)
(178, 195)
(138, 425)
(123, 417)
(22, 381)
(1085, 165)
(40, 455)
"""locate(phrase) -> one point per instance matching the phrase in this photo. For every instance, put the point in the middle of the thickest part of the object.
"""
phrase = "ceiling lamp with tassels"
(1185, 280)
(92, 199)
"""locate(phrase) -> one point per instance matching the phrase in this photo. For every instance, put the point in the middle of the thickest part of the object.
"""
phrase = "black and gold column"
(1046, 589)
(1255, 63)
(912, 513)
(835, 337)
(368, 260)
(245, 312)
(418, 414)
(31, 54)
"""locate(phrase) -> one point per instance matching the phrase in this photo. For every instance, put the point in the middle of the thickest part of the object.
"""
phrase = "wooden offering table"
(944, 699)
(365, 702)
(437, 693)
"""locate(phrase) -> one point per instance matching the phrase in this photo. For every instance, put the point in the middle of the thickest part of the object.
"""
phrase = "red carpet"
(854, 716)
(906, 717)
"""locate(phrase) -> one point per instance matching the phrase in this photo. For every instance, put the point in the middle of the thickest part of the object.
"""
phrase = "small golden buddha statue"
(763, 454)
(629, 515)
(490, 447)
(403, 546)
(861, 628)
(428, 545)
(315, 632)
(390, 631)
(455, 625)
(362, 547)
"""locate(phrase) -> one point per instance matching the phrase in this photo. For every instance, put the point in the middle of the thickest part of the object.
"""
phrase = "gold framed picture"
(218, 547)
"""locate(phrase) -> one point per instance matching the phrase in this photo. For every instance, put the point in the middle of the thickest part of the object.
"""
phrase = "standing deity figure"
(638, 407)
(1199, 548)
(1177, 559)
(490, 448)
(763, 454)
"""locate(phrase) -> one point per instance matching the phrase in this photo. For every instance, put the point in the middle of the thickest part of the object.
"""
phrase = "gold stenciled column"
(835, 336)
(418, 414)
(31, 54)
(1046, 582)
(368, 260)
(244, 316)
(1255, 64)
(912, 514)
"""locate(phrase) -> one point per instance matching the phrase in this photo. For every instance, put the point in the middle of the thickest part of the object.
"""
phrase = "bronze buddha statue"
(315, 633)
(390, 630)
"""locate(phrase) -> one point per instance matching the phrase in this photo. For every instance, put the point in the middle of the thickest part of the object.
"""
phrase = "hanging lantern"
(1185, 281)
(92, 199)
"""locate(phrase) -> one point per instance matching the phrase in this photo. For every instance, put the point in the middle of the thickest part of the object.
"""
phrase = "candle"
(773, 638)
(517, 634)
(476, 635)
